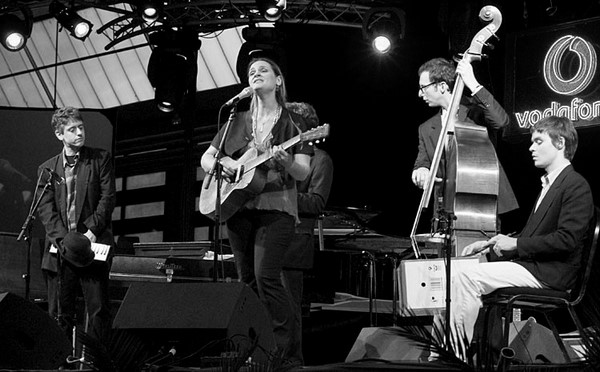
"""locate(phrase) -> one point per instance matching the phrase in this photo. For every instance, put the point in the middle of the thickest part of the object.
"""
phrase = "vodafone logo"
(573, 50)
(569, 68)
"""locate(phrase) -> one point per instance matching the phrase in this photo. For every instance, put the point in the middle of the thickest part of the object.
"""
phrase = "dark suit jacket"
(551, 244)
(313, 193)
(94, 205)
(495, 118)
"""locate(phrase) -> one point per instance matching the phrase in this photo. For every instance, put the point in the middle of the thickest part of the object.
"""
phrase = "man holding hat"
(76, 212)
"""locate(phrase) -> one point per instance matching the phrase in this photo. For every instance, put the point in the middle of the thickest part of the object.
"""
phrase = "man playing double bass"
(436, 81)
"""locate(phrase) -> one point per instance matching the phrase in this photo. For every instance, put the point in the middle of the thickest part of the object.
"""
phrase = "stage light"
(173, 67)
(14, 32)
(382, 44)
(272, 10)
(384, 28)
(260, 42)
(77, 26)
(150, 10)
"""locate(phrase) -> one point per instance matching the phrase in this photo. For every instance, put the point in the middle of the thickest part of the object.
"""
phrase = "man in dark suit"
(436, 83)
(82, 201)
(548, 251)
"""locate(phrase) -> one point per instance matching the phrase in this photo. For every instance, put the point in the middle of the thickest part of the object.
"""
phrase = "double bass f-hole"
(489, 14)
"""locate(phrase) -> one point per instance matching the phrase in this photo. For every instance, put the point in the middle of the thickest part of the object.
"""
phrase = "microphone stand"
(445, 219)
(26, 235)
(217, 174)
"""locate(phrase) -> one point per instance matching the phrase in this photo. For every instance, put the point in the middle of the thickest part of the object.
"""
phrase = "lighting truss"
(210, 16)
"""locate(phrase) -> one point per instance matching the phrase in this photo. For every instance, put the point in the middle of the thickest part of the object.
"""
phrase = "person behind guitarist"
(436, 81)
(263, 228)
(313, 193)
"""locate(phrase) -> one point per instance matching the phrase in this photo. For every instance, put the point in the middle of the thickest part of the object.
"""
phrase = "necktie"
(71, 178)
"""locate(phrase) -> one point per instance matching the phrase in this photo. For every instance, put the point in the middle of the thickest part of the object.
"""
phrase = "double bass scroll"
(472, 174)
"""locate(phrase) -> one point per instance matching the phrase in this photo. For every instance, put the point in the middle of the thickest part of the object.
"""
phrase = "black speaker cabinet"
(193, 316)
(29, 337)
(534, 343)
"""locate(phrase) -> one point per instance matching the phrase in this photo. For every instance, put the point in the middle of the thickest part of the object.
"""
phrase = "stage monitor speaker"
(29, 337)
(384, 344)
(534, 343)
(192, 315)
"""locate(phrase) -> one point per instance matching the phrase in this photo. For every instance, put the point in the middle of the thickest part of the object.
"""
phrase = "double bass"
(472, 167)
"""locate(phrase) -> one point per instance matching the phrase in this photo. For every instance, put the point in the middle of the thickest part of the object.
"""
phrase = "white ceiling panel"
(84, 74)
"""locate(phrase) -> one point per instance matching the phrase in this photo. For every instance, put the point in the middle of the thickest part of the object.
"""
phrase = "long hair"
(307, 111)
(280, 92)
(557, 127)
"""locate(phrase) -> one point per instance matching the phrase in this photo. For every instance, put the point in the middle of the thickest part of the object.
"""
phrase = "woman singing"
(262, 229)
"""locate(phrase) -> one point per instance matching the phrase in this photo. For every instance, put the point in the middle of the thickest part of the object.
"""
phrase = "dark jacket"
(495, 118)
(551, 244)
(94, 203)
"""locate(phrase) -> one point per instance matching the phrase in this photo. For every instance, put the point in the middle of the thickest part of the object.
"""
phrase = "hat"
(77, 249)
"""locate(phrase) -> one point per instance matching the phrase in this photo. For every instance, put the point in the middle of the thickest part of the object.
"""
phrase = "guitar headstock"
(317, 133)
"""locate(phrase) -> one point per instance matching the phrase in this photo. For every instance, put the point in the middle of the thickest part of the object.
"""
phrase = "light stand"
(216, 172)
(26, 234)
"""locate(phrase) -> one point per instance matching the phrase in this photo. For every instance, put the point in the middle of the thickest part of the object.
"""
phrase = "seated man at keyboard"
(547, 252)
(79, 198)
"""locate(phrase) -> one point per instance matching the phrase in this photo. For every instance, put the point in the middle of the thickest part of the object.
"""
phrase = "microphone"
(55, 176)
(245, 93)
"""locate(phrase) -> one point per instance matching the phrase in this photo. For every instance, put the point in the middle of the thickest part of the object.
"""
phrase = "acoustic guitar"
(249, 180)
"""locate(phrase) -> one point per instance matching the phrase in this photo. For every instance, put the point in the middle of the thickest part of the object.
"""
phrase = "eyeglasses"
(422, 88)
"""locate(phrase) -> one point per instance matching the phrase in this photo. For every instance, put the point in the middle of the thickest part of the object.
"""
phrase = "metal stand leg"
(372, 289)
(395, 290)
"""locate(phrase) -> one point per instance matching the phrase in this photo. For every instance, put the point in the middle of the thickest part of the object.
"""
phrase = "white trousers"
(470, 283)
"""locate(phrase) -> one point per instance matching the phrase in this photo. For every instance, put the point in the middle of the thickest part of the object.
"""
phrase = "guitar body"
(233, 194)
(251, 180)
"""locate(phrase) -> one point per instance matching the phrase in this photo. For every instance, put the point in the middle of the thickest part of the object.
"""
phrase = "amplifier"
(167, 269)
(196, 249)
(422, 283)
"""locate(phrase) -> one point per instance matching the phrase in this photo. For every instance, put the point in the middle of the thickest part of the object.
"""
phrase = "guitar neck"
(253, 163)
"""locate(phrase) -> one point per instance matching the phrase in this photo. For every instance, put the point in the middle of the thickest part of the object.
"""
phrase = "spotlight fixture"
(77, 26)
(173, 67)
(14, 32)
(150, 10)
(260, 42)
(384, 28)
(272, 10)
